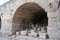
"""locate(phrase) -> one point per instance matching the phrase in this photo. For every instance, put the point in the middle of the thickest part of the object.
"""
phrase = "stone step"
(14, 37)
(31, 38)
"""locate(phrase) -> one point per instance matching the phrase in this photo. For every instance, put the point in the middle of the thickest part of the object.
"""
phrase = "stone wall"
(7, 12)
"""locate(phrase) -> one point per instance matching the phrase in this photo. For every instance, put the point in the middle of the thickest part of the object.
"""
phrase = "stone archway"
(29, 13)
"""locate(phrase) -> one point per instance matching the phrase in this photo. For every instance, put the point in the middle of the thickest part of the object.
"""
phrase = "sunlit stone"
(23, 33)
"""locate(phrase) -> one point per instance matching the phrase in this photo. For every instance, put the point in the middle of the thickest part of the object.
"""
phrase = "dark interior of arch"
(30, 14)
(40, 18)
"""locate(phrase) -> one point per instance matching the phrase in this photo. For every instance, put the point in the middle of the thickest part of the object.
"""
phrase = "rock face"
(43, 12)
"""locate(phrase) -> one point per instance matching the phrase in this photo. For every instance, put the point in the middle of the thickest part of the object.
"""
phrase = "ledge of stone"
(31, 38)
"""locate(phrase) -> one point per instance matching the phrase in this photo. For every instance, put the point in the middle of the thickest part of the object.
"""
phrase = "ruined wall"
(7, 12)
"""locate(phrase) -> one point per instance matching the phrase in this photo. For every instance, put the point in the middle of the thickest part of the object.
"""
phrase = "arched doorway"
(29, 14)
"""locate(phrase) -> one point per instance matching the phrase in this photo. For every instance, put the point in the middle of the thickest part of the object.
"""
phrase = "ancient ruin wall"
(7, 12)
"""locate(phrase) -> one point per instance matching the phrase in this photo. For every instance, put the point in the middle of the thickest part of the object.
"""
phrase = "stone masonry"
(52, 8)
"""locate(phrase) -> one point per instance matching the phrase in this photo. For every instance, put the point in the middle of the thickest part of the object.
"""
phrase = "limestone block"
(32, 31)
(17, 33)
(53, 32)
(58, 21)
(58, 12)
(21, 37)
(13, 37)
(52, 22)
(24, 33)
(54, 35)
(51, 14)
(48, 39)
(32, 38)
(33, 34)
(42, 35)
(4, 38)
(58, 18)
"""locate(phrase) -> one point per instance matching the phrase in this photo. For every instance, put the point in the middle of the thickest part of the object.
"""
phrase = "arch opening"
(30, 16)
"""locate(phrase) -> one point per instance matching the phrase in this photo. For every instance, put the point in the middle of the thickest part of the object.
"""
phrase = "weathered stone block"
(53, 32)
(32, 38)
(18, 33)
(21, 38)
(23, 33)
(52, 22)
(51, 14)
(42, 35)
(32, 34)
